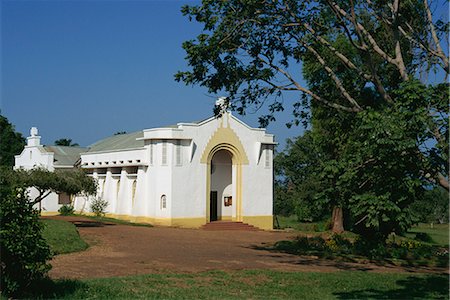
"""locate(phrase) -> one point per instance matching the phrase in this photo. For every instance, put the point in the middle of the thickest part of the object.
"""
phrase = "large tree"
(11, 142)
(378, 127)
(253, 52)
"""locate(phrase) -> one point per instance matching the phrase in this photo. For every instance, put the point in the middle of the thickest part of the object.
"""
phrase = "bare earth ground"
(119, 250)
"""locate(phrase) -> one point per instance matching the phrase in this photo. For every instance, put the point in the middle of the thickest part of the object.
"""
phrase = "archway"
(221, 186)
(226, 152)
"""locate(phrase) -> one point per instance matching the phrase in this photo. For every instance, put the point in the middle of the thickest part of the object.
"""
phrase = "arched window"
(163, 201)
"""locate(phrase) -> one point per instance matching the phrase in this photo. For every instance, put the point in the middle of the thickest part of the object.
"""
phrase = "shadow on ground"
(54, 289)
(91, 224)
(430, 287)
(345, 261)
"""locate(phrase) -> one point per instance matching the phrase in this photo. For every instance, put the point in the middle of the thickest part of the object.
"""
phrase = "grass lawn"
(261, 284)
(439, 233)
(63, 237)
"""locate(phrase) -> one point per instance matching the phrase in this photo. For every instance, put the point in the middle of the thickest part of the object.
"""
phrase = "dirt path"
(119, 250)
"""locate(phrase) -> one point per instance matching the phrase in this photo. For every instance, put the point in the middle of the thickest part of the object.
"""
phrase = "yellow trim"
(226, 218)
(49, 213)
(224, 138)
(262, 222)
(174, 222)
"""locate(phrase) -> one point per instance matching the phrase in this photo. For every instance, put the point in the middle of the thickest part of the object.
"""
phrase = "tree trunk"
(338, 220)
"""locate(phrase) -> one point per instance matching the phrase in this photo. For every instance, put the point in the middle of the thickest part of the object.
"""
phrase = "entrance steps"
(229, 225)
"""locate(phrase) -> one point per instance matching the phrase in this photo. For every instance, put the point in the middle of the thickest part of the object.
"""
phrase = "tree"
(66, 142)
(11, 142)
(297, 182)
(72, 182)
(24, 252)
(253, 51)
(360, 60)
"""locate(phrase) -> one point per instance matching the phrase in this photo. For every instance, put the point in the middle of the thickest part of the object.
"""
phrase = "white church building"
(184, 175)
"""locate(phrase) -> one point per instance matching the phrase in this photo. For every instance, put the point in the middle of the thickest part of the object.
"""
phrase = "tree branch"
(437, 43)
(305, 90)
(333, 76)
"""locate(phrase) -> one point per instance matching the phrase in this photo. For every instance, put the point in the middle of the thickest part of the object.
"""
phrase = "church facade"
(184, 175)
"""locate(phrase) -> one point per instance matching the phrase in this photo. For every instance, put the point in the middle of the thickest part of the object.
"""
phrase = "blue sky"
(87, 69)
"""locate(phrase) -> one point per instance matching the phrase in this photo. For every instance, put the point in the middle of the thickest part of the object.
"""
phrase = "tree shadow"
(53, 289)
(314, 257)
(91, 224)
(413, 287)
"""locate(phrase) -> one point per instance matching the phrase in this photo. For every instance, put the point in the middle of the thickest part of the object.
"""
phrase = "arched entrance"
(229, 162)
(221, 186)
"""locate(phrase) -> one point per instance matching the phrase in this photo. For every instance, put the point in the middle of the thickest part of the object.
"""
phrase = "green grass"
(63, 237)
(116, 221)
(293, 223)
(439, 233)
(261, 284)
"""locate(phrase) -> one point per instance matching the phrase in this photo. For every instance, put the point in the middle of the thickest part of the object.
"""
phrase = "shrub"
(66, 210)
(24, 252)
(98, 207)
(423, 237)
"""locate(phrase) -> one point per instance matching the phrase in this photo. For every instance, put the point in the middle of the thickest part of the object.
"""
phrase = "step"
(228, 225)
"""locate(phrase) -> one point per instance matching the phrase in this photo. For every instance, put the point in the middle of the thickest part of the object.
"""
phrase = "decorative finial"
(221, 107)
(33, 131)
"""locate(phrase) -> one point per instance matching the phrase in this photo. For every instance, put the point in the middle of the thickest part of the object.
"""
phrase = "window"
(118, 189)
(151, 153)
(64, 198)
(163, 201)
(164, 153)
(267, 156)
(133, 191)
(179, 157)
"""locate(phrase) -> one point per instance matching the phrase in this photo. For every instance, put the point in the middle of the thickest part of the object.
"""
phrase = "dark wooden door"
(213, 206)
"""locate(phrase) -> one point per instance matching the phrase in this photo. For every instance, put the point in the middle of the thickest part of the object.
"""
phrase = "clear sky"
(87, 69)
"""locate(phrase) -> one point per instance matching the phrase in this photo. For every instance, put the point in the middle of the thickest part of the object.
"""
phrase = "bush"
(24, 252)
(66, 210)
(423, 237)
(98, 207)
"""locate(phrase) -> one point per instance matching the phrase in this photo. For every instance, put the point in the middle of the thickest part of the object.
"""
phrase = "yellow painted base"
(49, 213)
(262, 222)
(174, 222)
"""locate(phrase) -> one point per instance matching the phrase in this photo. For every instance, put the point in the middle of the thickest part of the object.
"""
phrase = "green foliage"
(66, 210)
(11, 142)
(66, 142)
(62, 237)
(72, 182)
(24, 251)
(378, 135)
(433, 207)
(98, 206)
(337, 246)
(296, 183)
